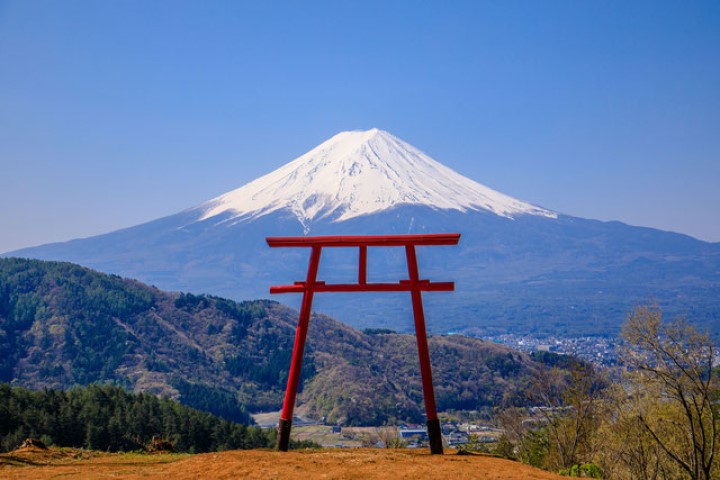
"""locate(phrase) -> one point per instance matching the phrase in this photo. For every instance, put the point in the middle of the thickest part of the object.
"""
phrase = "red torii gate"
(414, 285)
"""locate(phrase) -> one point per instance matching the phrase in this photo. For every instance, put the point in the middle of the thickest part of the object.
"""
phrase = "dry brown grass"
(264, 464)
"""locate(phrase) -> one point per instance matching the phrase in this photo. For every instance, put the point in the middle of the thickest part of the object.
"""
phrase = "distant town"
(599, 350)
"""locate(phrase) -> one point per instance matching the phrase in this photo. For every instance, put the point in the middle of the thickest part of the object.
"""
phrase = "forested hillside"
(63, 325)
(110, 419)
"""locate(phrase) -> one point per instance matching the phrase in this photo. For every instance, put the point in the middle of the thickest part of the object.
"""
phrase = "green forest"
(63, 325)
(110, 419)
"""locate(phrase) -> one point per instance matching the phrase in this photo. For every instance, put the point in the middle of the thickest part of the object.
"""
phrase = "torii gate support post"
(414, 285)
(285, 422)
(433, 423)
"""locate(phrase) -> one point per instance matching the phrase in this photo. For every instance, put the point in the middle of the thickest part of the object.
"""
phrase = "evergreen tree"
(109, 418)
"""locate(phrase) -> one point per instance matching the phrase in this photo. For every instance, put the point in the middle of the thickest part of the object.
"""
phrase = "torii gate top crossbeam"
(366, 240)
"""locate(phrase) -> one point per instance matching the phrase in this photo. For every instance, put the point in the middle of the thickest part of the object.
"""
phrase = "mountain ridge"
(513, 274)
(62, 325)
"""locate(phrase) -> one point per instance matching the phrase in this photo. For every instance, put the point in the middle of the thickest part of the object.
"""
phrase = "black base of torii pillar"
(413, 285)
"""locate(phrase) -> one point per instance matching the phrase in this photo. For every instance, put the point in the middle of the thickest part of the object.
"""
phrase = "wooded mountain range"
(63, 325)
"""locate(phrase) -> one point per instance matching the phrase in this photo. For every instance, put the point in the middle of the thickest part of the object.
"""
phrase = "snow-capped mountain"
(518, 267)
(360, 173)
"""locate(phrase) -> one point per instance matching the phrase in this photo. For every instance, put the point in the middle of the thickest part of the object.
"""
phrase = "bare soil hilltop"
(30, 463)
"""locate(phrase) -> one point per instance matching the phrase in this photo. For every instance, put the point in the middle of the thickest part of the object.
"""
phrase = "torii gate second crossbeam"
(414, 285)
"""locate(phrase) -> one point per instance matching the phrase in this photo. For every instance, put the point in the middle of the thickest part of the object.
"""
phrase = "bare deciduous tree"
(675, 361)
(629, 452)
(571, 406)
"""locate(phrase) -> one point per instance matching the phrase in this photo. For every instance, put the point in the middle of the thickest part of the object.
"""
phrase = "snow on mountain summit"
(358, 173)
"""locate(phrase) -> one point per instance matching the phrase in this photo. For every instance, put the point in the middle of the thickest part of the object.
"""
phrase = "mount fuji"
(362, 173)
(519, 267)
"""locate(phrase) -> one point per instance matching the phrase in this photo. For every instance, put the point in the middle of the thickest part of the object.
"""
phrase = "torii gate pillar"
(414, 285)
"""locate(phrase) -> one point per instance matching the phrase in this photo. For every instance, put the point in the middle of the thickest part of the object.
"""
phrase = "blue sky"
(114, 113)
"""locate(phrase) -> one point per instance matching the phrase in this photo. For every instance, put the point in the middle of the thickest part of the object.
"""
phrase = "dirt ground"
(263, 464)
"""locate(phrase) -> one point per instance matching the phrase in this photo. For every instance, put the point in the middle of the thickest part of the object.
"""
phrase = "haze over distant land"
(117, 113)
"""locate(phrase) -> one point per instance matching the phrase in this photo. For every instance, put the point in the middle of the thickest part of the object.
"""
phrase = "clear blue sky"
(113, 113)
